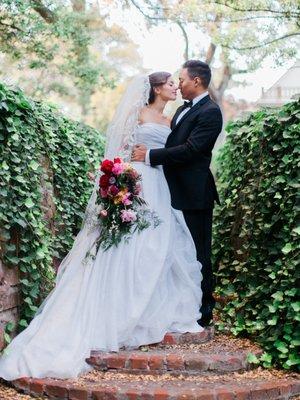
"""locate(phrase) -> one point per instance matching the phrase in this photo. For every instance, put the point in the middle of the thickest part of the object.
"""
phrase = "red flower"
(104, 181)
(113, 190)
(117, 160)
(106, 166)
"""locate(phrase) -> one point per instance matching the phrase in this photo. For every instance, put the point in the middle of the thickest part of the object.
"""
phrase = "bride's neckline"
(155, 123)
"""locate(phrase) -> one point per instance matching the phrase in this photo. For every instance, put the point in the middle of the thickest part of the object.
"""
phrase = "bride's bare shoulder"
(169, 119)
(144, 114)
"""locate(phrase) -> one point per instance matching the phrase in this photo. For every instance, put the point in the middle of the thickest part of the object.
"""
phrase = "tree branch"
(251, 18)
(210, 53)
(284, 13)
(150, 17)
(262, 44)
(44, 12)
(165, 18)
(186, 39)
(225, 80)
(177, 22)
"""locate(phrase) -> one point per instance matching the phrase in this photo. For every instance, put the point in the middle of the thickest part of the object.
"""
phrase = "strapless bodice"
(153, 135)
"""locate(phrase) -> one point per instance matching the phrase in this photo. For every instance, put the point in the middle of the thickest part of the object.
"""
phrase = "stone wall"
(9, 299)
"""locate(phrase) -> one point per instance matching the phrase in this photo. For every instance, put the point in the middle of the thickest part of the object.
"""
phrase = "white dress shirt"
(183, 112)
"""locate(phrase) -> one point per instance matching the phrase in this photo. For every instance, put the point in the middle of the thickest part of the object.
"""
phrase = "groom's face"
(187, 85)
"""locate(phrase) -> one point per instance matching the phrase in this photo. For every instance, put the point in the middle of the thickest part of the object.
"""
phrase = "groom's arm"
(201, 139)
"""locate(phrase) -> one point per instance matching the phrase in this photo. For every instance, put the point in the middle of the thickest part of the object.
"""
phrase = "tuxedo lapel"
(173, 121)
(191, 111)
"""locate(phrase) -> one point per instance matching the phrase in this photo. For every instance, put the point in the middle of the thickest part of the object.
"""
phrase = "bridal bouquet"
(121, 209)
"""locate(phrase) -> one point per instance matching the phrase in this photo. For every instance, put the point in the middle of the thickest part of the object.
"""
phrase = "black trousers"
(199, 223)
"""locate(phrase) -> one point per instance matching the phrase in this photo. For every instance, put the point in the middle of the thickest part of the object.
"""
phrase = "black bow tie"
(187, 104)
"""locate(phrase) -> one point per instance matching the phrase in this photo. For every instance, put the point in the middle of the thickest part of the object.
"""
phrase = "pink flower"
(125, 199)
(103, 213)
(118, 168)
(103, 193)
(133, 174)
(113, 190)
(137, 189)
(128, 216)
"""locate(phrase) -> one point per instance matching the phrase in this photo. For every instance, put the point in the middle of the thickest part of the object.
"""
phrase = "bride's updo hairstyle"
(157, 79)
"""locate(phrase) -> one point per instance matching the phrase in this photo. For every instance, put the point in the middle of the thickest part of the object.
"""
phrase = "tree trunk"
(81, 52)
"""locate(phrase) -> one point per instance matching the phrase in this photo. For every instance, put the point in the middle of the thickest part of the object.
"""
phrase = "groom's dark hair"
(196, 68)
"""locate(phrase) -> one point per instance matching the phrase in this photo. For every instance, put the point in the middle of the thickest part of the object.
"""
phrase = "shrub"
(43, 189)
(256, 237)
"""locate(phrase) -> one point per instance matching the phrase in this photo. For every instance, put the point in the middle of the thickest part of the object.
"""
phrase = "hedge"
(44, 189)
(256, 237)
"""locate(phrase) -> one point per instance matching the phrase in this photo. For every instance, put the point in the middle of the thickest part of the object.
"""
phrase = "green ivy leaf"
(281, 346)
(23, 323)
(297, 230)
(277, 296)
(5, 166)
(287, 248)
(21, 222)
(7, 338)
(29, 203)
(296, 306)
(15, 137)
(33, 165)
(252, 358)
(20, 179)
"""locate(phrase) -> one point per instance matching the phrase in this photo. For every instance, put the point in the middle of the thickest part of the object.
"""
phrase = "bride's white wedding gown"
(128, 296)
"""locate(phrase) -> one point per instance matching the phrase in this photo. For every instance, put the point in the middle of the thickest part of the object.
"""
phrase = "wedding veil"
(120, 132)
(120, 137)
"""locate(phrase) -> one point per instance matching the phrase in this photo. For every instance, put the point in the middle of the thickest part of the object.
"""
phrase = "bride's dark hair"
(157, 79)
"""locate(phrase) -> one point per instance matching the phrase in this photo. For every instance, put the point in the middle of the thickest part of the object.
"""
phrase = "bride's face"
(167, 91)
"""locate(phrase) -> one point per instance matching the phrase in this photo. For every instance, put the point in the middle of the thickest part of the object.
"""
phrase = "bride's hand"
(91, 176)
(139, 152)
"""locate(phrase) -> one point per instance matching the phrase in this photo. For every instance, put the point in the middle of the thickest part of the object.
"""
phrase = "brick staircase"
(182, 367)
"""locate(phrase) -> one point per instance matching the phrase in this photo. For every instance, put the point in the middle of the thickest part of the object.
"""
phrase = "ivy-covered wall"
(256, 237)
(44, 189)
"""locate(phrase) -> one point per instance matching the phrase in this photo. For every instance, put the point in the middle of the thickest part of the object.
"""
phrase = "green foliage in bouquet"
(256, 237)
(43, 189)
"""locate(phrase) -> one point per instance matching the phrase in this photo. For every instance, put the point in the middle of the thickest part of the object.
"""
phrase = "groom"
(186, 159)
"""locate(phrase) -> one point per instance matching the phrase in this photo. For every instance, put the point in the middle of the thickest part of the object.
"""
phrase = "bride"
(129, 295)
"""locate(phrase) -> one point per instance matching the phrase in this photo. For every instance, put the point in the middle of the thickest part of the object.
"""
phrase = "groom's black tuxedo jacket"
(187, 155)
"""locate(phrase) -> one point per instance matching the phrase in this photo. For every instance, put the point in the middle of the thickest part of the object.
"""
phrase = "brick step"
(189, 338)
(187, 361)
(222, 354)
(99, 386)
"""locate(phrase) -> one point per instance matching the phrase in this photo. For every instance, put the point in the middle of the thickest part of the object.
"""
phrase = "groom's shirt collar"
(187, 109)
(200, 97)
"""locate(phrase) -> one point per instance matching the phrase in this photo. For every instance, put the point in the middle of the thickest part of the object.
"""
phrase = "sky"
(162, 47)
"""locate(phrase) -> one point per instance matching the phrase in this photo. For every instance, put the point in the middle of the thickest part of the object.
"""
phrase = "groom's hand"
(139, 152)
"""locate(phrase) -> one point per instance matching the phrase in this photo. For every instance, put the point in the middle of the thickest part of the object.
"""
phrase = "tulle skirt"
(129, 295)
